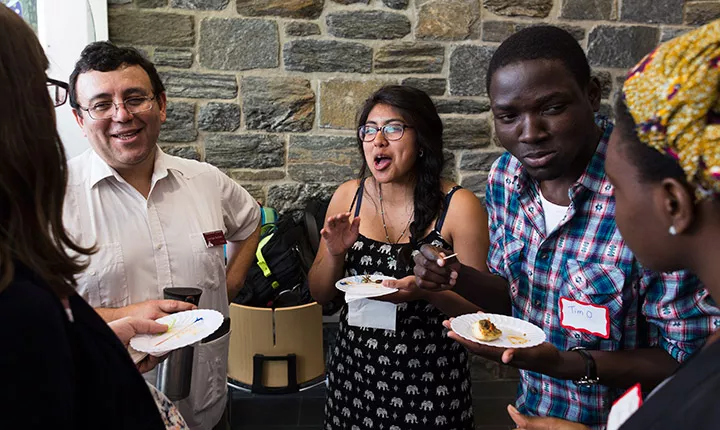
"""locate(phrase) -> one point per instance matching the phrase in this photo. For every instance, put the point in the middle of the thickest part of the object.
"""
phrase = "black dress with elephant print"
(411, 378)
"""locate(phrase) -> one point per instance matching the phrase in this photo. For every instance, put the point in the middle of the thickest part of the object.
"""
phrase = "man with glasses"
(156, 220)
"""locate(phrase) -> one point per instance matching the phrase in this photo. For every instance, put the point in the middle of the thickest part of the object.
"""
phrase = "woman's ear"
(678, 205)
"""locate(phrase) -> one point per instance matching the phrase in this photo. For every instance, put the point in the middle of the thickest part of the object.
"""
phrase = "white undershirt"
(553, 213)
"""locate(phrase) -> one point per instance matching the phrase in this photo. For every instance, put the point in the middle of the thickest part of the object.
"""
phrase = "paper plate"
(516, 333)
(364, 286)
(184, 328)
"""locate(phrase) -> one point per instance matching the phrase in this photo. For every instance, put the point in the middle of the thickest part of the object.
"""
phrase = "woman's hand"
(340, 233)
(525, 422)
(128, 327)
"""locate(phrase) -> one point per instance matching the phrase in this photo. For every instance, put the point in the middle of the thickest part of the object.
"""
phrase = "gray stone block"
(368, 25)
(339, 150)
(577, 32)
(478, 161)
(289, 197)
(199, 85)
(239, 44)
(620, 47)
(256, 151)
(476, 182)
(219, 117)
(303, 9)
(351, 1)
(587, 10)
(461, 106)
(299, 28)
(327, 56)
(190, 152)
(258, 175)
(533, 8)
(200, 4)
(447, 19)
(671, 33)
(468, 68)
(652, 11)
(466, 133)
(396, 4)
(139, 27)
(278, 104)
(180, 123)
(321, 173)
(497, 31)
(409, 57)
(432, 86)
(181, 58)
(701, 13)
(150, 4)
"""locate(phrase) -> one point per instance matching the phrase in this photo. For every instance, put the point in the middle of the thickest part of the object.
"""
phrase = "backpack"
(285, 253)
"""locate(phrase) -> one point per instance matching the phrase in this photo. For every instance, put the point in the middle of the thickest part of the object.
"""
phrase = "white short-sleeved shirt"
(144, 245)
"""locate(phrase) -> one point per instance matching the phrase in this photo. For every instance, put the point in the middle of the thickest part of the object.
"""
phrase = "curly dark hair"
(420, 113)
(106, 57)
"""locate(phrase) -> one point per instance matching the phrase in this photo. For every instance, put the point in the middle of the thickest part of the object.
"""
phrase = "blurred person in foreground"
(61, 366)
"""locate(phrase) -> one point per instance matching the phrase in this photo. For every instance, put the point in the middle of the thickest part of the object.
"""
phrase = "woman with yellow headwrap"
(664, 161)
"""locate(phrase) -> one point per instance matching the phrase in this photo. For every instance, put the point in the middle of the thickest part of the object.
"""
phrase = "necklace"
(382, 216)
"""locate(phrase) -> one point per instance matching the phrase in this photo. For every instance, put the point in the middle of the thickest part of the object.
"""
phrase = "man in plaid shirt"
(555, 247)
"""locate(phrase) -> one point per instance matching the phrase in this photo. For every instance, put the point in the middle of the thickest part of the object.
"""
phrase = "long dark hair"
(32, 166)
(419, 112)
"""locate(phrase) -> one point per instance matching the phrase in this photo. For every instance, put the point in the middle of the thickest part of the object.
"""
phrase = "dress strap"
(441, 218)
(358, 198)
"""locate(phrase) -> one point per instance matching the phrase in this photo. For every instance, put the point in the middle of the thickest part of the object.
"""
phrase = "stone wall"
(269, 89)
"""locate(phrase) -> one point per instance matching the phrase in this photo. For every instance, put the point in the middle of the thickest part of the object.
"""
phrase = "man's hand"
(154, 309)
(544, 358)
(432, 272)
(128, 327)
(525, 422)
(407, 290)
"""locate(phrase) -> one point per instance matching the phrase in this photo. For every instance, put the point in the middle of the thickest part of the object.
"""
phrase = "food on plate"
(366, 280)
(517, 340)
(485, 330)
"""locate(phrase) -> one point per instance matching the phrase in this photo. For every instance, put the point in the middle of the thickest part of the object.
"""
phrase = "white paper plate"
(358, 287)
(516, 333)
(184, 328)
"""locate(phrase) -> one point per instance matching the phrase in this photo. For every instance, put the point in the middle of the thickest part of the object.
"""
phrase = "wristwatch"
(590, 377)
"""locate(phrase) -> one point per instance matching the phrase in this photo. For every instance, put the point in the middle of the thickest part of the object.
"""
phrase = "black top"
(59, 374)
(689, 400)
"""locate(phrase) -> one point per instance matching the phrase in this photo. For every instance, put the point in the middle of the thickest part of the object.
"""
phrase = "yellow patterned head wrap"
(673, 95)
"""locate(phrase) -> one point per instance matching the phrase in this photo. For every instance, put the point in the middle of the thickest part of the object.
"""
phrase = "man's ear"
(162, 104)
(80, 120)
(678, 205)
(594, 93)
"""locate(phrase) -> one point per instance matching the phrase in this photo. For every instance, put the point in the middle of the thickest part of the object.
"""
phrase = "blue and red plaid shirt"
(585, 259)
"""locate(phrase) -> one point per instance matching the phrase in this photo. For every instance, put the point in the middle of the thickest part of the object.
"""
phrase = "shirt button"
(533, 390)
(544, 256)
(159, 246)
(538, 303)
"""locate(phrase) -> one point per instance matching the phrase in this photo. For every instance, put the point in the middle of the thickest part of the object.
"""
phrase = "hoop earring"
(421, 153)
(672, 230)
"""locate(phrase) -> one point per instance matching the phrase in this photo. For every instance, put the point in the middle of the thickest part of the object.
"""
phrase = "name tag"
(624, 407)
(584, 317)
(214, 238)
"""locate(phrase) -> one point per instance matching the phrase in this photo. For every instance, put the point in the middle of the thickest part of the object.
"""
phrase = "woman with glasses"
(61, 366)
(391, 366)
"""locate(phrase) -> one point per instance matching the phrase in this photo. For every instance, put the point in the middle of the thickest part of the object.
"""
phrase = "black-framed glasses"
(107, 109)
(367, 133)
(58, 91)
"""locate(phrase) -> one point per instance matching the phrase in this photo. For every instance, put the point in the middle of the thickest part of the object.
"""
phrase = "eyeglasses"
(104, 110)
(58, 91)
(367, 133)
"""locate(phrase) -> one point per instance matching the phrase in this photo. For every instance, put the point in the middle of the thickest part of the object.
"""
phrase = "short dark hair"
(542, 42)
(106, 57)
(418, 109)
(653, 165)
